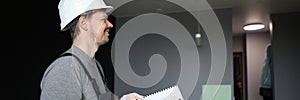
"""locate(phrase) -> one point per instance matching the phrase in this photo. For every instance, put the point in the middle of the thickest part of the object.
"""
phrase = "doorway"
(239, 76)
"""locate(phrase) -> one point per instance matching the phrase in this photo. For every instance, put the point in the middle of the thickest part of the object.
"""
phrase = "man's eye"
(103, 19)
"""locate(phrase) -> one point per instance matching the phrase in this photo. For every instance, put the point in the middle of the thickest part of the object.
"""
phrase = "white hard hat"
(70, 9)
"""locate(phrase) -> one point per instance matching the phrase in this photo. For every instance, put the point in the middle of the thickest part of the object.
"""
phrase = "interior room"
(203, 46)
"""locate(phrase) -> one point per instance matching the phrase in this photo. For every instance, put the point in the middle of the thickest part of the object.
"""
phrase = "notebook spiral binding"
(160, 91)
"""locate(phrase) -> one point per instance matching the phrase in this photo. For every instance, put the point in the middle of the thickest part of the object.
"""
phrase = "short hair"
(73, 27)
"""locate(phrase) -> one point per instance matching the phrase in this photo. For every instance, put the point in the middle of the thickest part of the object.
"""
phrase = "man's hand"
(132, 96)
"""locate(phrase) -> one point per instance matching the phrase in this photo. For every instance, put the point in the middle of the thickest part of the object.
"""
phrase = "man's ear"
(82, 22)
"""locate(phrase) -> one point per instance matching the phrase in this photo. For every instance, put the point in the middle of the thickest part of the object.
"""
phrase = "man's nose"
(109, 25)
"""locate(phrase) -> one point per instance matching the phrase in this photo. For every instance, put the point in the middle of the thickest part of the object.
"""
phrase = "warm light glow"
(197, 35)
(254, 26)
(271, 28)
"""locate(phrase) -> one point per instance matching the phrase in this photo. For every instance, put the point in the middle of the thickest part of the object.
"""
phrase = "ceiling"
(243, 11)
(259, 11)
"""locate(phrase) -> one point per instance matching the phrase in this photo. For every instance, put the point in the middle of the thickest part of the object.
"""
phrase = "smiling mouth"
(106, 30)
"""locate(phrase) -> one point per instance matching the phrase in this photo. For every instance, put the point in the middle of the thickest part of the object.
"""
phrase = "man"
(77, 75)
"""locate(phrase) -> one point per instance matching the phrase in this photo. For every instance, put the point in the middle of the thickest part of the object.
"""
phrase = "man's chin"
(103, 42)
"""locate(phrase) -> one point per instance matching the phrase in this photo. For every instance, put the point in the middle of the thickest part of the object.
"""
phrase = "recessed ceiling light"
(254, 26)
(197, 35)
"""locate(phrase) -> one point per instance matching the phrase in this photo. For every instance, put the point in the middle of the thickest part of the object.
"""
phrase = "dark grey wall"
(148, 45)
(286, 49)
(225, 18)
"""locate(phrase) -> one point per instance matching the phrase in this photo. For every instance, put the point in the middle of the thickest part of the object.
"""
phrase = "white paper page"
(172, 93)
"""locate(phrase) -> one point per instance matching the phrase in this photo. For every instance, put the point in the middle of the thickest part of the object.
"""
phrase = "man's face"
(100, 27)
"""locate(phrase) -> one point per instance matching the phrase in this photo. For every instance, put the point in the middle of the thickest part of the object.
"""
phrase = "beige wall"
(255, 47)
(238, 43)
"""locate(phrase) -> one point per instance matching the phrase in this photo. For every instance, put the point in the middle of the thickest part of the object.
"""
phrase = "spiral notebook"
(171, 93)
